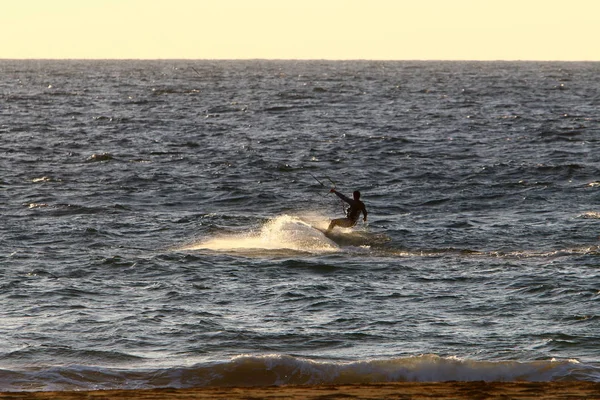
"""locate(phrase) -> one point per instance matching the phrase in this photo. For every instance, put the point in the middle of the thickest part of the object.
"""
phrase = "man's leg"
(332, 225)
(342, 222)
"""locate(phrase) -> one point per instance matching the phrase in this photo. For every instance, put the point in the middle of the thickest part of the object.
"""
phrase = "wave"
(305, 234)
(287, 370)
(275, 369)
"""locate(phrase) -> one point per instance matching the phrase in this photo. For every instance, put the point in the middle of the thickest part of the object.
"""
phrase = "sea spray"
(282, 232)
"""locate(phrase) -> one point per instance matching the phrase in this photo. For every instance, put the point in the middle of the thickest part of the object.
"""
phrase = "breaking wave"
(274, 369)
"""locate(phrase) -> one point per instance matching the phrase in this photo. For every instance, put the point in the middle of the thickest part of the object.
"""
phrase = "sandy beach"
(443, 390)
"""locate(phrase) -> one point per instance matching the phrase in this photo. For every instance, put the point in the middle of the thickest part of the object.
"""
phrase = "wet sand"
(442, 390)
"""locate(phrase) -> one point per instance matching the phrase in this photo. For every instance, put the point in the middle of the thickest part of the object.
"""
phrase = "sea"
(158, 222)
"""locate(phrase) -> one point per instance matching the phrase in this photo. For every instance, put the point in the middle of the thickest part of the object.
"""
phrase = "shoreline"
(404, 390)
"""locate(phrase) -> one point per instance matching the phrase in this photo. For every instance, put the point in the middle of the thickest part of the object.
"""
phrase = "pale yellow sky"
(302, 29)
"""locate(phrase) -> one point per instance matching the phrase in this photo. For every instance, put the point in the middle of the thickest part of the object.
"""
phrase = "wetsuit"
(352, 213)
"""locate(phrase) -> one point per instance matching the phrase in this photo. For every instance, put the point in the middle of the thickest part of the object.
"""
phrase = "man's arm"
(364, 211)
(341, 196)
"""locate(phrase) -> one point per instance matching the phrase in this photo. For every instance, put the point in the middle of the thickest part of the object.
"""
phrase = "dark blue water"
(157, 222)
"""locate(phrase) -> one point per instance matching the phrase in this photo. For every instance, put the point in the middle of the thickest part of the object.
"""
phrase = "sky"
(301, 29)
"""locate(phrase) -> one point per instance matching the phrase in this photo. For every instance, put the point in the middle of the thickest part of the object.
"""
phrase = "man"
(352, 213)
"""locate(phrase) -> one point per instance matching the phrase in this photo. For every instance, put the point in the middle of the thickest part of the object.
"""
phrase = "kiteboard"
(323, 231)
(353, 237)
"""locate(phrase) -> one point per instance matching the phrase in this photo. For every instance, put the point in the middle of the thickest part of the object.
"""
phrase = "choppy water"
(154, 222)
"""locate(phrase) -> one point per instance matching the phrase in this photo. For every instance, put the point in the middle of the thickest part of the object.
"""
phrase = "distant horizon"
(383, 30)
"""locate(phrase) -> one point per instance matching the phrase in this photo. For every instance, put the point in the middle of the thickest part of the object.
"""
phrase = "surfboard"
(353, 237)
(349, 237)
(339, 237)
(323, 231)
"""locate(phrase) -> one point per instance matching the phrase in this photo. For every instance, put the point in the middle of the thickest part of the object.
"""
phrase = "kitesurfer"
(352, 213)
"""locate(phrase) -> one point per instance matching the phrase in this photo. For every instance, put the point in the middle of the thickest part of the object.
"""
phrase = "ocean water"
(157, 222)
